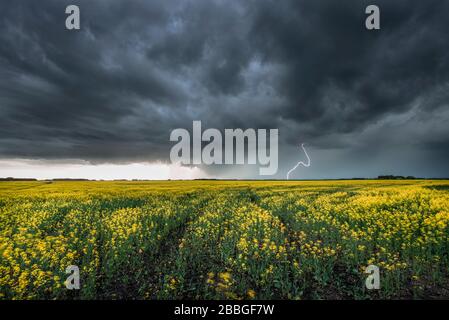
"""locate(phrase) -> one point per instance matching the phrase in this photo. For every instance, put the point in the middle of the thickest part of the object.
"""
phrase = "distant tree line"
(17, 179)
(32, 179)
(392, 177)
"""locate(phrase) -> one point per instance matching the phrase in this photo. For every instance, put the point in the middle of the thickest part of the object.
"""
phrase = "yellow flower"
(225, 276)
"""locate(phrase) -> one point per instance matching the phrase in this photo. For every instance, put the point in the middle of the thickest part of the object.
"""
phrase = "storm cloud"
(365, 102)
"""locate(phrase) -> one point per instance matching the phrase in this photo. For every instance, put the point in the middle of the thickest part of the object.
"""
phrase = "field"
(224, 239)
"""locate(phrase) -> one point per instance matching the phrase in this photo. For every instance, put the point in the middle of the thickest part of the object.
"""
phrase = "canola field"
(225, 239)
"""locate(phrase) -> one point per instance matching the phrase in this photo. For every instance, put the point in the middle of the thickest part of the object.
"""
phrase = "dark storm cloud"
(138, 69)
(341, 77)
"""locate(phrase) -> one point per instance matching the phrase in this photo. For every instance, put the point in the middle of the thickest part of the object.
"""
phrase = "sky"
(101, 102)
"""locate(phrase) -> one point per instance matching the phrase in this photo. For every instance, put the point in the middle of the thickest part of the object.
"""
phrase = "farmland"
(224, 239)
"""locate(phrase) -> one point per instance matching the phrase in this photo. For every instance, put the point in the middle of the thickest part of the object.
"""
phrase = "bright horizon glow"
(78, 169)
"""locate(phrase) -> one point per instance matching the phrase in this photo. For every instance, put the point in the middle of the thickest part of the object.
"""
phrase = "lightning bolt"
(300, 162)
